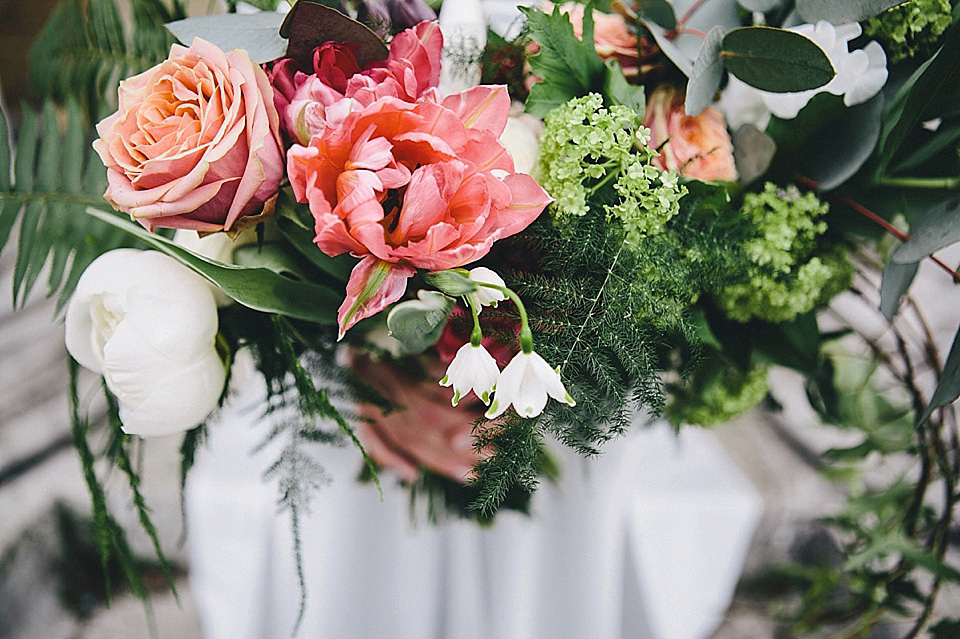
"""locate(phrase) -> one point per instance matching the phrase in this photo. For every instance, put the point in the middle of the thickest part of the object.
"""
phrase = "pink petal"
(529, 200)
(484, 108)
(373, 285)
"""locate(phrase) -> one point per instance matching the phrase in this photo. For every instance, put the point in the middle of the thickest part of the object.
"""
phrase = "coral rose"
(698, 147)
(409, 185)
(195, 143)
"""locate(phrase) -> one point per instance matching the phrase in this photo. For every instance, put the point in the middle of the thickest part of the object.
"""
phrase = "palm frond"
(84, 51)
(56, 177)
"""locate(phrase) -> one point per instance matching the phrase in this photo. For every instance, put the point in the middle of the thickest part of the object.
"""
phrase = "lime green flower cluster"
(586, 147)
(716, 396)
(910, 29)
(787, 279)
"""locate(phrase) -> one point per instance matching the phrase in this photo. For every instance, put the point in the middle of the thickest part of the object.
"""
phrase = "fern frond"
(83, 51)
(56, 177)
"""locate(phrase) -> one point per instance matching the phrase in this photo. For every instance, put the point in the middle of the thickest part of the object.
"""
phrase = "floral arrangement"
(628, 214)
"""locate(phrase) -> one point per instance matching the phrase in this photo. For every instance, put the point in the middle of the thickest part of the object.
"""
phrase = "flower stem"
(920, 182)
(873, 217)
(526, 336)
(689, 13)
(476, 337)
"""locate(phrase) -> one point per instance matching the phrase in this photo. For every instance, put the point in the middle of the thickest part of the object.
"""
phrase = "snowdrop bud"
(484, 296)
(472, 369)
(148, 325)
(526, 382)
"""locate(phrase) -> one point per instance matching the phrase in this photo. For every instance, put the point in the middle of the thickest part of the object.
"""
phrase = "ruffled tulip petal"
(484, 108)
(373, 285)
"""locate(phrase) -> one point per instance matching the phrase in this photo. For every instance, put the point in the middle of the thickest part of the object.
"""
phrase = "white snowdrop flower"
(148, 324)
(526, 382)
(472, 369)
(485, 296)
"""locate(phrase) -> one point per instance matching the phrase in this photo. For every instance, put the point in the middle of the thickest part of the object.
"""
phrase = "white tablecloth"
(645, 542)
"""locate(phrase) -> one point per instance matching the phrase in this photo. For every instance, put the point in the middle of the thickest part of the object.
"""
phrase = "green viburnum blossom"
(788, 278)
(910, 29)
(715, 396)
(587, 148)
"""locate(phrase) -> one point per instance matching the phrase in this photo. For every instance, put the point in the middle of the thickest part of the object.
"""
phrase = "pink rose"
(611, 36)
(409, 185)
(698, 147)
(195, 143)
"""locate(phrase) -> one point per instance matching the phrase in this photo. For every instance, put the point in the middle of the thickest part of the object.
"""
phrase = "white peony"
(521, 137)
(526, 382)
(472, 369)
(149, 326)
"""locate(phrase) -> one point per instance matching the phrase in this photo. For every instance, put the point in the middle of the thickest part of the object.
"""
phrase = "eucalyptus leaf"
(706, 74)
(418, 323)
(776, 60)
(896, 280)
(948, 386)
(853, 138)
(668, 48)
(309, 24)
(842, 11)
(657, 11)
(256, 33)
(939, 227)
(256, 288)
(451, 282)
(753, 151)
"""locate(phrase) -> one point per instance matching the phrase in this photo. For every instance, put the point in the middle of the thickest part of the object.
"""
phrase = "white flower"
(521, 138)
(860, 74)
(485, 296)
(526, 382)
(148, 325)
(472, 369)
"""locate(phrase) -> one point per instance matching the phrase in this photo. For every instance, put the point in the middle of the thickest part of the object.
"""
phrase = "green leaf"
(569, 68)
(939, 227)
(841, 12)
(896, 280)
(948, 386)
(620, 91)
(417, 324)
(775, 59)
(853, 137)
(257, 288)
(298, 230)
(257, 33)
(706, 74)
(309, 24)
(934, 86)
(272, 256)
(657, 11)
(451, 282)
